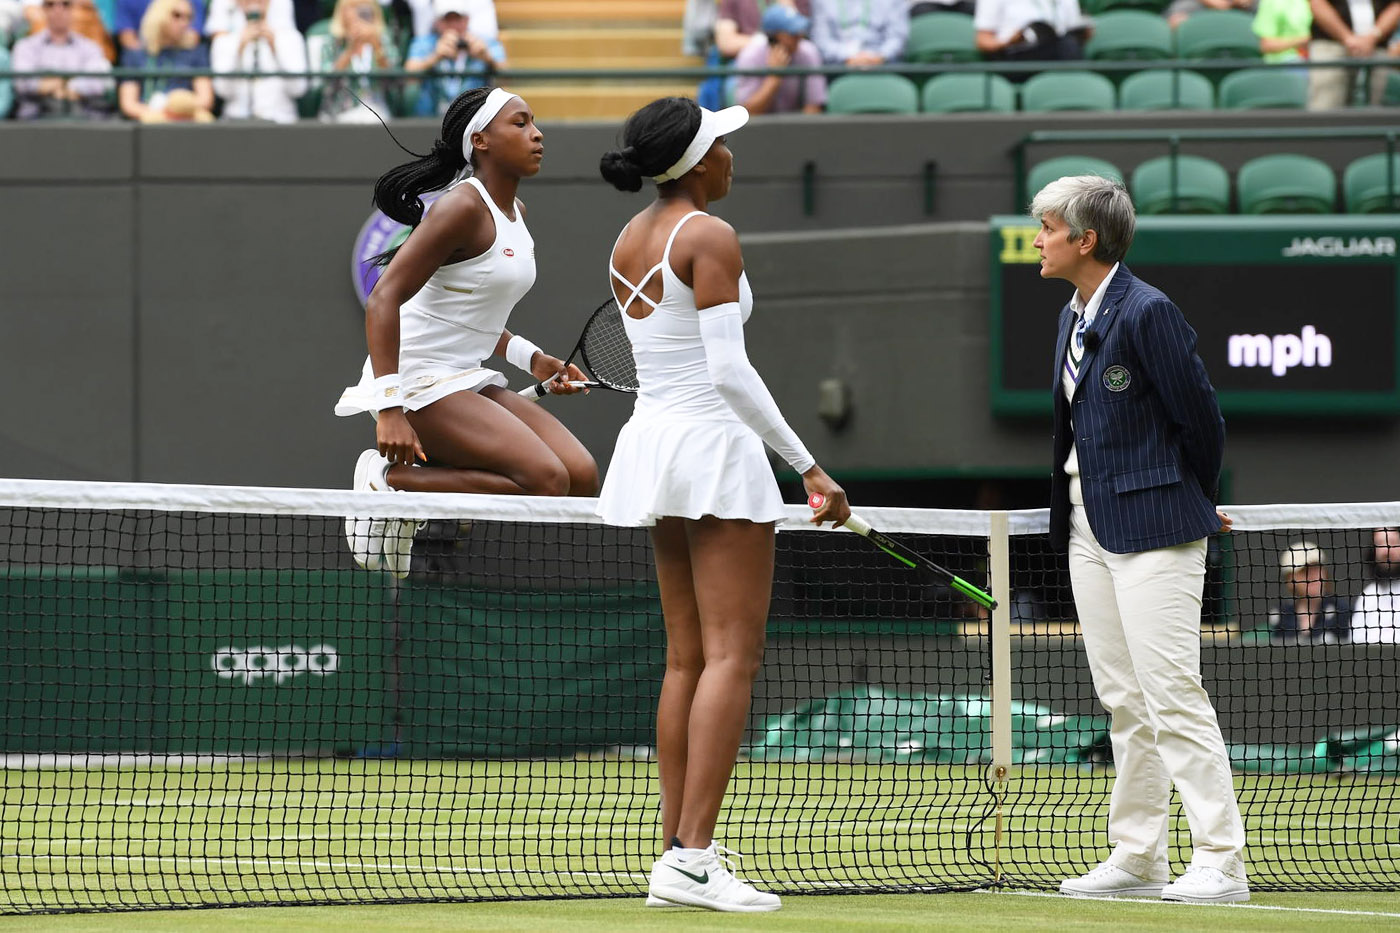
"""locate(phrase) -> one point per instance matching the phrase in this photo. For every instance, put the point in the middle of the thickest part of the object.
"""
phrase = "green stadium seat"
(872, 93)
(1068, 90)
(1202, 186)
(1217, 34)
(1261, 88)
(963, 92)
(941, 37)
(1284, 183)
(1368, 188)
(1130, 34)
(1163, 89)
(1045, 172)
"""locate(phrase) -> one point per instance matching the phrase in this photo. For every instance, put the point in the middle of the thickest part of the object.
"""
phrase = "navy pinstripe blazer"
(1146, 423)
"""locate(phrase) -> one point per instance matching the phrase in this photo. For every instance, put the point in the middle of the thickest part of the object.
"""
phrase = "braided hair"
(398, 192)
(654, 138)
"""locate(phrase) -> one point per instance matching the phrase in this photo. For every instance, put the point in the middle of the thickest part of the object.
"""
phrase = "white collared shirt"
(1088, 310)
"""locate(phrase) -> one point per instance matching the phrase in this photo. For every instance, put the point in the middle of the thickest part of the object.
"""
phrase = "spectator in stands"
(358, 42)
(227, 16)
(7, 90)
(782, 42)
(168, 41)
(738, 21)
(58, 48)
(482, 13)
(1376, 616)
(131, 13)
(1284, 28)
(1027, 30)
(697, 26)
(453, 51)
(87, 21)
(860, 33)
(920, 7)
(258, 47)
(1343, 29)
(1179, 10)
(1311, 612)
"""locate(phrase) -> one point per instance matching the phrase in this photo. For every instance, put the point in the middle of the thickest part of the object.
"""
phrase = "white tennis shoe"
(706, 881)
(366, 535)
(1200, 884)
(1111, 881)
(398, 544)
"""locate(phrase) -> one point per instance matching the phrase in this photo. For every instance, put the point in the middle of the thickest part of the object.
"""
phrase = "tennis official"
(1138, 445)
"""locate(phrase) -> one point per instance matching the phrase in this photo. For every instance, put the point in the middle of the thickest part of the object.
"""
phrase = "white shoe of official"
(1110, 881)
(1203, 885)
(366, 535)
(706, 881)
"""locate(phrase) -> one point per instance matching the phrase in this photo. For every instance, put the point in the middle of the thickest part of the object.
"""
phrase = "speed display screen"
(1293, 314)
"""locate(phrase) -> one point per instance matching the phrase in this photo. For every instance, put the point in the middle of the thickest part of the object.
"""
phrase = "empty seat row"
(1281, 183)
(1152, 89)
(1118, 35)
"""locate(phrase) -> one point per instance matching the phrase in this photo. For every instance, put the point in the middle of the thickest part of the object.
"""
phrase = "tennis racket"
(909, 558)
(605, 353)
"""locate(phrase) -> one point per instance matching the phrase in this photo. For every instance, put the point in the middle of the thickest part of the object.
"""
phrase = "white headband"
(713, 125)
(497, 99)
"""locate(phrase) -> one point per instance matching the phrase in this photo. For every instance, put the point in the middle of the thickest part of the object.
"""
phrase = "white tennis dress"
(684, 452)
(454, 321)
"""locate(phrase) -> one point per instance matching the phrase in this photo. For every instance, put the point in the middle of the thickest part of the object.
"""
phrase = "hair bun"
(620, 171)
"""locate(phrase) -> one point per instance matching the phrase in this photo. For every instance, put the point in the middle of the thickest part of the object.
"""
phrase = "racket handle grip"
(855, 523)
(534, 393)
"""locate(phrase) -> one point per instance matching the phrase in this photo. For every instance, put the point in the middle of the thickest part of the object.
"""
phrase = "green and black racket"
(911, 559)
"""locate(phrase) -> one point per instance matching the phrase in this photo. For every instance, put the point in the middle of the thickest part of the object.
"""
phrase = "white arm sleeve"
(738, 383)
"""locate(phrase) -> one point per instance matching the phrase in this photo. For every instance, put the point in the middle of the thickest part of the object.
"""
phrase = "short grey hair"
(1091, 202)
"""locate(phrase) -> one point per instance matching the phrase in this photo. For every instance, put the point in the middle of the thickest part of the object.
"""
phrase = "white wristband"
(520, 351)
(385, 392)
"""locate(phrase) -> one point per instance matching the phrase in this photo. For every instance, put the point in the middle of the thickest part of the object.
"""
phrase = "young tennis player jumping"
(439, 310)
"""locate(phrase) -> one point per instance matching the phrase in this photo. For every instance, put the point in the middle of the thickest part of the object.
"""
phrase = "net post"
(999, 566)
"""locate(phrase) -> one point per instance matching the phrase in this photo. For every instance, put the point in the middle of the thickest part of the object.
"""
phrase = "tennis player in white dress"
(690, 463)
(446, 422)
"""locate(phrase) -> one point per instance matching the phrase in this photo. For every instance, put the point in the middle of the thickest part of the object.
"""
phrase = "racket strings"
(607, 351)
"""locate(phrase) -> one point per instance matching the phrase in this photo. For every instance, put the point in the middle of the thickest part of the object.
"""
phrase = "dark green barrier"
(493, 674)
(76, 674)
(272, 662)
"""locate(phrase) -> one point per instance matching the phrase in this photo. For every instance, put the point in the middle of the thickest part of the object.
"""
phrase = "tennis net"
(208, 704)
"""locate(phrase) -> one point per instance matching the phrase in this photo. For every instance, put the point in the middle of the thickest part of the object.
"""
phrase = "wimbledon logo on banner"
(281, 664)
(378, 234)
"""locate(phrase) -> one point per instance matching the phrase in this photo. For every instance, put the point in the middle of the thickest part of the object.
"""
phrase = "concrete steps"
(585, 34)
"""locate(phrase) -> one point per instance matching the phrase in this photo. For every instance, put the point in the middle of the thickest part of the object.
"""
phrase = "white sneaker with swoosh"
(366, 535)
(706, 881)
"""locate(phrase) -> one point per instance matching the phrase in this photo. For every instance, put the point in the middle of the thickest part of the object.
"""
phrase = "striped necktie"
(1076, 349)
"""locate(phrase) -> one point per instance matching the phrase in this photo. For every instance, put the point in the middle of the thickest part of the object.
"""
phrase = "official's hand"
(396, 438)
(1226, 522)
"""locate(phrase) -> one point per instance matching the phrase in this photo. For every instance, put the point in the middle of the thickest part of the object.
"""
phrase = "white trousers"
(1141, 619)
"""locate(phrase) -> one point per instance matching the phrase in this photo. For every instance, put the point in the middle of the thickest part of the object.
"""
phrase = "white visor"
(713, 125)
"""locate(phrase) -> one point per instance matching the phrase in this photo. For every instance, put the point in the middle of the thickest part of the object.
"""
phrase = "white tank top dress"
(453, 322)
(684, 452)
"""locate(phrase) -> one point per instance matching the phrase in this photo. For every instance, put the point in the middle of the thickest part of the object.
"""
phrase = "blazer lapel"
(1062, 345)
(1104, 320)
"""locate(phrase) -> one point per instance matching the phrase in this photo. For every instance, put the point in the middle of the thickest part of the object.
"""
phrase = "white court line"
(1276, 907)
